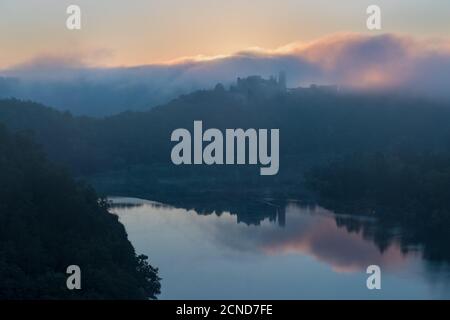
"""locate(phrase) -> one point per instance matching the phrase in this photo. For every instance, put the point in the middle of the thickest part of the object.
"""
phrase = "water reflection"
(268, 249)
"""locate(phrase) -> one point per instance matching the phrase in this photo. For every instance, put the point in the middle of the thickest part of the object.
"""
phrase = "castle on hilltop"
(257, 86)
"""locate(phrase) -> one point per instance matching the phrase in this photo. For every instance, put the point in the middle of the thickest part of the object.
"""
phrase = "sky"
(139, 32)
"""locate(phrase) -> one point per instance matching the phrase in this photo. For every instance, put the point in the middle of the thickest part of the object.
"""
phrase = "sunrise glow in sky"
(125, 33)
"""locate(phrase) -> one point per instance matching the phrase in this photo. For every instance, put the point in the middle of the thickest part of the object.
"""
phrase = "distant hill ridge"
(316, 124)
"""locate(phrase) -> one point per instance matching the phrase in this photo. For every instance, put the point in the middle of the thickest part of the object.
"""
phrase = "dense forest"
(411, 188)
(48, 221)
(315, 127)
(359, 151)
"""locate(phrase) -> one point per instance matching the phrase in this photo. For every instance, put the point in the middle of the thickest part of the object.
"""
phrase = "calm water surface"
(298, 253)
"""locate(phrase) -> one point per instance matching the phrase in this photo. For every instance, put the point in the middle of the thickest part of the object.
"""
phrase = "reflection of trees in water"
(434, 247)
(247, 211)
(126, 204)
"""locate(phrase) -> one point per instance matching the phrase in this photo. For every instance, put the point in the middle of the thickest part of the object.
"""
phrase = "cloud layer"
(389, 61)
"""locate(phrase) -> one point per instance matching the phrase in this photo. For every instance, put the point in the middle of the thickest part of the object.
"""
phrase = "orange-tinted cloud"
(313, 232)
(354, 61)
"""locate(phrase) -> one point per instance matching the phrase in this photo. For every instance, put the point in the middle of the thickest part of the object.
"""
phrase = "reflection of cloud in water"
(313, 232)
(313, 244)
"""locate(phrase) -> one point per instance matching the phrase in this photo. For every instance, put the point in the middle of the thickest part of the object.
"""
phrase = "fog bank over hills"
(389, 61)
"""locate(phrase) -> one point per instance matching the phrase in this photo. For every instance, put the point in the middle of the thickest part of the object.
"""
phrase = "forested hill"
(49, 222)
(129, 154)
(313, 124)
